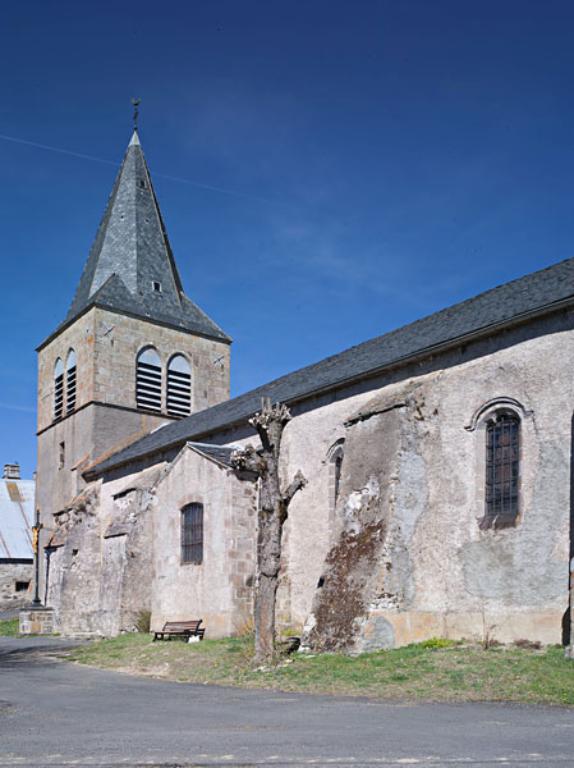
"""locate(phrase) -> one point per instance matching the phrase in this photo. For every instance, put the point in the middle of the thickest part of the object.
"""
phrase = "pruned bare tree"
(272, 514)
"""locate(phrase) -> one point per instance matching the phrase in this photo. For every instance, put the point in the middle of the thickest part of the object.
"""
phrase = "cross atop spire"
(136, 103)
(131, 266)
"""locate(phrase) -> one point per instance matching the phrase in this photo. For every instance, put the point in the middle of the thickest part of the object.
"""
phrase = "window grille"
(502, 471)
(192, 533)
(71, 382)
(58, 390)
(179, 386)
(148, 380)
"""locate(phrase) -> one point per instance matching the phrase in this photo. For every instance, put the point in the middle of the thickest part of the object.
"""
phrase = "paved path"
(54, 713)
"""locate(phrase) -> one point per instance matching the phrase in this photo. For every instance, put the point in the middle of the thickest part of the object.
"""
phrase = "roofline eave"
(225, 339)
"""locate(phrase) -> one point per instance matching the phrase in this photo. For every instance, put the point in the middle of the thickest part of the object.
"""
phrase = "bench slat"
(183, 629)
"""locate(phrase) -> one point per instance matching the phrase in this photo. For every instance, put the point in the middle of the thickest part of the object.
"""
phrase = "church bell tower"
(133, 352)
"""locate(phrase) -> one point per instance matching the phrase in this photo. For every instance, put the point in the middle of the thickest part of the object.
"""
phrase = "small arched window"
(336, 455)
(58, 390)
(502, 470)
(148, 380)
(179, 386)
(71, 382)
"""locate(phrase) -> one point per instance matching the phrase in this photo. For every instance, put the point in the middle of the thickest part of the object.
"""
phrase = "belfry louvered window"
(192, 533)
(71, 382)
(502, 471)
(148, 380)
(58, 390)
(178, 386)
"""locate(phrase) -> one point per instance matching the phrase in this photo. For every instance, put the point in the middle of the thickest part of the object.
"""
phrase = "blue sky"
(327, 170)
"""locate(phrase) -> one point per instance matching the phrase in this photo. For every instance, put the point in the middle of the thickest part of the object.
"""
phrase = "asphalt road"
(54, 713)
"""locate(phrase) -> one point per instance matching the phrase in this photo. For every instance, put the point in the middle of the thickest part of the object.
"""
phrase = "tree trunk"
(569, 652)
(272, 514)
(265, 596)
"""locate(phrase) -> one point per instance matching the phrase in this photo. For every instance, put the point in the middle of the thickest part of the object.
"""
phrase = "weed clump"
(143, 621)
(435, 643)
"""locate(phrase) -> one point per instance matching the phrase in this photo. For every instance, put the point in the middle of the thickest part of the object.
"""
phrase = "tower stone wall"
(117, 341)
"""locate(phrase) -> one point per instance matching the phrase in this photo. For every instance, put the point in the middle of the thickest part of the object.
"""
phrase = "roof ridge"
(163, 230)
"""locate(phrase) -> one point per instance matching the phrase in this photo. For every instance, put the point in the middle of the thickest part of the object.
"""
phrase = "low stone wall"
(37, 621)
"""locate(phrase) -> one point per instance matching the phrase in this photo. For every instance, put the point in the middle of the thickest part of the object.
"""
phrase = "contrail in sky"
(56, 149)
(178, 179)
(12, 407)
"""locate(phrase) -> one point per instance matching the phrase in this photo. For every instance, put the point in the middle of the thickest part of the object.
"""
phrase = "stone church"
(438, 461)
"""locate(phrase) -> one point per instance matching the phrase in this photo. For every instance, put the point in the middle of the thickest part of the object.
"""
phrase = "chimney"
(11, 471)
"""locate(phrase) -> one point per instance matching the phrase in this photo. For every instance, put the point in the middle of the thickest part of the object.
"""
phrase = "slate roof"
(131, 252)
(221, 454)
(537, 293)
(16, 518)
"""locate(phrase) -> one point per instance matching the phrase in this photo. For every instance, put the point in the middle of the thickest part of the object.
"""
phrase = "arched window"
(502, 470)
(71, 382)
(58, 390)
(148, 380)
(338, 465)
(335, 457)
(178, 386)
(192, 533)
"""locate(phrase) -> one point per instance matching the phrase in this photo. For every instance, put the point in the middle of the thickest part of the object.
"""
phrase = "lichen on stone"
(342, 600)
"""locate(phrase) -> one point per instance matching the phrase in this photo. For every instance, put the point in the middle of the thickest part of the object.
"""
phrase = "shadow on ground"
(40, 650)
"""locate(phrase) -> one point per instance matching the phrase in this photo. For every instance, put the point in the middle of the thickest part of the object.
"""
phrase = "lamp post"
(36, 528)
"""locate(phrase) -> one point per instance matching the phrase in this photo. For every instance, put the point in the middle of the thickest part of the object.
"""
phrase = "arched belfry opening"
(148, 380)
(58, 389)
(71, 382)
(179, 386)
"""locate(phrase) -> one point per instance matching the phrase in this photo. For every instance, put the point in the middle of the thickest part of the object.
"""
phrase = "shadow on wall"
(566, 619)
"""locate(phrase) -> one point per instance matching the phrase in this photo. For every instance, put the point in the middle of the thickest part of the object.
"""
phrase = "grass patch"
(8, 627)
(429, 671)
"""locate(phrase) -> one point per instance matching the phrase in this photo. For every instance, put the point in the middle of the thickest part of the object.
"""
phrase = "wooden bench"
(180, 629)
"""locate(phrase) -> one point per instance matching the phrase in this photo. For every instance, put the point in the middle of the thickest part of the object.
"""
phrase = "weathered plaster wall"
(307, 532)
(219, 590)
(10, 575)
(440, 574)
(364, 563)
(86, 434)
(117, 551)
(100, 562)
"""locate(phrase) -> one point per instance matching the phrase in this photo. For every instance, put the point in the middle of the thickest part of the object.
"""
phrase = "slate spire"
(131, 266)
